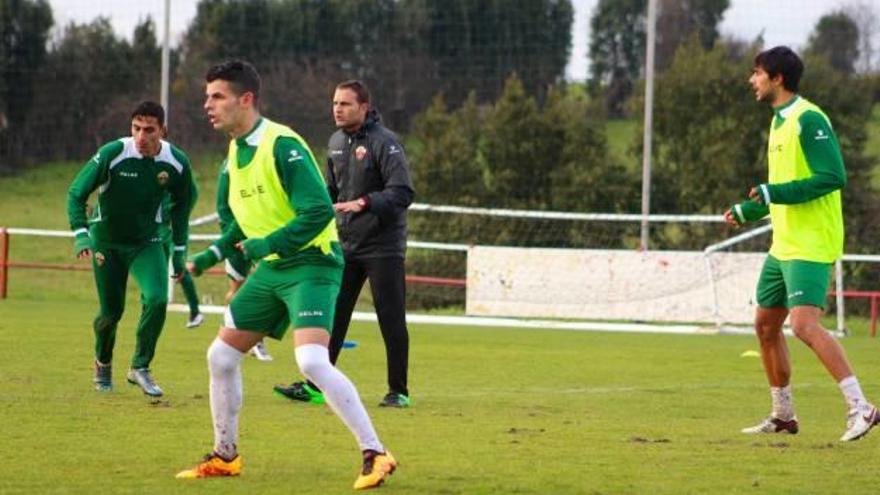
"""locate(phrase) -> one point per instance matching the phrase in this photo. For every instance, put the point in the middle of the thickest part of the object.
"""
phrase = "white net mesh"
(586, 265)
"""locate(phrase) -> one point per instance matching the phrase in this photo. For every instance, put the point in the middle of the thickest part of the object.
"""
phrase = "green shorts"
(238, 267)
(271, 299)
(793, 283)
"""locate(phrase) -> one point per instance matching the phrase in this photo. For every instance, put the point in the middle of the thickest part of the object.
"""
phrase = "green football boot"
(300, 391)
(393, 399)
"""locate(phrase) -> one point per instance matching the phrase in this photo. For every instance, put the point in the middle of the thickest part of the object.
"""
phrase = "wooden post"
(4, 261)
(874, 315)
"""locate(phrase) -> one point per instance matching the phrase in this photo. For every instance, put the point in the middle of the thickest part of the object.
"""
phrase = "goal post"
(569, 265)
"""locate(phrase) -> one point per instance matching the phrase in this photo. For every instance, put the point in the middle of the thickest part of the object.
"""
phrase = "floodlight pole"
(166, 59)
(647, 134)
(163, 92)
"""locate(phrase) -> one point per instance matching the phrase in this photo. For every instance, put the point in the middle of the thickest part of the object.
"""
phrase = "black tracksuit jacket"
(370, 164)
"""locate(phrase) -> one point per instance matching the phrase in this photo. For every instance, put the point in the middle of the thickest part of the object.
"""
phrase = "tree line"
(77, 86)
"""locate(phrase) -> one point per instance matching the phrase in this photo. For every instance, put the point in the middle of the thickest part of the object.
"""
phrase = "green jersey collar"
(252, 138)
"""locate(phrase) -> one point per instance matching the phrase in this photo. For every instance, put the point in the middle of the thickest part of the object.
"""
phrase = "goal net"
(539, 264)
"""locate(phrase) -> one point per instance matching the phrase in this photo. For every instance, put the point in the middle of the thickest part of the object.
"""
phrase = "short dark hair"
(241, 75)
(782, 60)
(149, 109)
(359, 88)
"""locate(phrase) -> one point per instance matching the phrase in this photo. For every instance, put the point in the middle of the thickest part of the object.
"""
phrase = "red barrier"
(866, 294)
(5, 265)
(4, 261)
(443, 282)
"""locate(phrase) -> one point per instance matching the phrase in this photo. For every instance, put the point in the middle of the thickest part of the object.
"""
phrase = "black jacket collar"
(373, 118)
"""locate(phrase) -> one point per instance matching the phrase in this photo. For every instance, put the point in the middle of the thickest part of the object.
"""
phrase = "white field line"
(473, 321)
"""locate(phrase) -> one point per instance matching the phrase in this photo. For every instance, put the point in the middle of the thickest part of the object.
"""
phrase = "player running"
(133, 176)
(802, 197)
(283, 217)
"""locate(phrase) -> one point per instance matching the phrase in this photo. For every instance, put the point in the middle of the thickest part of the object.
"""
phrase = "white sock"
(783, 407)
(852, 391)
(224, 365)
(339, 392)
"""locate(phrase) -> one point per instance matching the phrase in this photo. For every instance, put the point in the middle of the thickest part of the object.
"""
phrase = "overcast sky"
(785, 22)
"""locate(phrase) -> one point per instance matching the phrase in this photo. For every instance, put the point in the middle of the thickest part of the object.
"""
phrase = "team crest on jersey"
(360, 152)
(99, 259)
(162, 177)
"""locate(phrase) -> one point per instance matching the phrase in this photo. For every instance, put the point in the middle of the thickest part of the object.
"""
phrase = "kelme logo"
(99, 259)
(162, 178)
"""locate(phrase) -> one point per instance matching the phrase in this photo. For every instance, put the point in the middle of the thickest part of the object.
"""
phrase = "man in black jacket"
(369, 182)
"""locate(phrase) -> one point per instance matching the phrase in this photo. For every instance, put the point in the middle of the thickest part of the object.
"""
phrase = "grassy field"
(495, 410)
(621, 137)
(623, 133)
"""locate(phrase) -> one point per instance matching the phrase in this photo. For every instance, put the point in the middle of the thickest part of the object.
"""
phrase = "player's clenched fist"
(201, 261)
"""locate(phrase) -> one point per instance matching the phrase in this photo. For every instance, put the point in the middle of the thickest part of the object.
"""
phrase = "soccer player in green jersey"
(238, 267)
(186, 281)
(282, 217)
(133, 176)
(802, 197)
